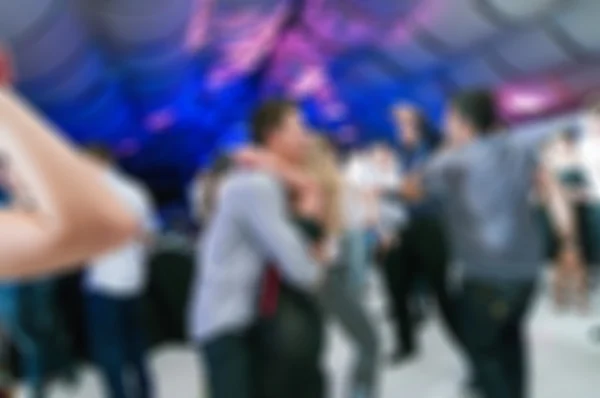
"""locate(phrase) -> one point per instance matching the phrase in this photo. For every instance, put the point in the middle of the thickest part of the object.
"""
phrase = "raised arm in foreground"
(76, 215)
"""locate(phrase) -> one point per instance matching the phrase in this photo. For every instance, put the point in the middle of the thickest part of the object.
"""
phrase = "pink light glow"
(248, 37)
(160, 120)
(196, 35)
(308, 82)
(532, 98)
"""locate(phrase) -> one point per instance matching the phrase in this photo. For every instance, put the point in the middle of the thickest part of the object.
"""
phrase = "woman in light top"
(562, 159)
(76, 214)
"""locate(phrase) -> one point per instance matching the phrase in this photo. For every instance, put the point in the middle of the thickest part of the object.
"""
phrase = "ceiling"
(166, 81)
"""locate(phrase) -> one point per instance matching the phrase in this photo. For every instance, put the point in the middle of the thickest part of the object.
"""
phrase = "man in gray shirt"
(484, 184)
(249, 228)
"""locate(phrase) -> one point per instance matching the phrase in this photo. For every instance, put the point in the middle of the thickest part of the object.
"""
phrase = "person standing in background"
(114, 285)
(589, 147)
(422, 247)
(590, 153)
(6, 376)
(29, 315)
(565, 164)
(365, 176)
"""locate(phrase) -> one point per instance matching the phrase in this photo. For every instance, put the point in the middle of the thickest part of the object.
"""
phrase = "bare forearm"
(65, 187)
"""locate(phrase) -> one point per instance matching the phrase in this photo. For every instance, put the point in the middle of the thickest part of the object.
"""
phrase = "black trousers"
(234, 365)
(278, 357)
(493, 319)
(422, 251)
(117, 339)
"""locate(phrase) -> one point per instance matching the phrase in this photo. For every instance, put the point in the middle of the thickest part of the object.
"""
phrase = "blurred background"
(170, 84)
(165, 82)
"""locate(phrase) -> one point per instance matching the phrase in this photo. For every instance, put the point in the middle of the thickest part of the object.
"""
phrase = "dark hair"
(267, 117)
(478, 107)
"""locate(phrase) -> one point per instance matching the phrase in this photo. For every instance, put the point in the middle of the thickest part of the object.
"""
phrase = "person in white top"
(590, 156)
(360, 212)
(114, 285)
(562, 159)
(371, 218)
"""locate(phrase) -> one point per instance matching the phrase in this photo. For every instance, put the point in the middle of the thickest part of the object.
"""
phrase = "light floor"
(565, 362)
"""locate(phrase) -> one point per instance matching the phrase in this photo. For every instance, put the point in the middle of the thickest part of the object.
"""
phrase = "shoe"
(401, 356)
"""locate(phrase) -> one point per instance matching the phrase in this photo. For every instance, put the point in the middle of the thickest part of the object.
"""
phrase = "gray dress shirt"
(250, 228)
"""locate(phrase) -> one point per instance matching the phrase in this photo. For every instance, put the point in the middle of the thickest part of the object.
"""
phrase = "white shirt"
(363, 175)
(356, 180)
(122, 272)
(590, 156)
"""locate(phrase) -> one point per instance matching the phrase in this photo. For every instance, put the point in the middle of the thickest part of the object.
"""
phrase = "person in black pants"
(483, 182)
(420, 249)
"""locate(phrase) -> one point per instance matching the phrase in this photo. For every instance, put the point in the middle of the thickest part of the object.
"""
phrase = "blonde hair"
(322, 165)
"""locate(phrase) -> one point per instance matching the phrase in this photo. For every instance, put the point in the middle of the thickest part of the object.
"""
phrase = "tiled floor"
(565, 363)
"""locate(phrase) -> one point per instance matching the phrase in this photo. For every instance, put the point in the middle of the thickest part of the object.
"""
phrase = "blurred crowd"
(281, 237)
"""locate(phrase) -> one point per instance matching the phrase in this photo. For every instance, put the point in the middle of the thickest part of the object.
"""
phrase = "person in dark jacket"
(420, 251)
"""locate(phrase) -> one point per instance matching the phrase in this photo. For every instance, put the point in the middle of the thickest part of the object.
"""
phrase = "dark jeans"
(344, 307)
(234, 366)
(422, 251)
(279, 356)
(29, 318)
(117, 341)
(493, 318)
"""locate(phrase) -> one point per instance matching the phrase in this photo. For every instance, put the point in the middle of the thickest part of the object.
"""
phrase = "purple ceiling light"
(197, 32)
(244, 38)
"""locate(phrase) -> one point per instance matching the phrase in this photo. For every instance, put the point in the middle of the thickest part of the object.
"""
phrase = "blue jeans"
(116, 337)
(28, 316)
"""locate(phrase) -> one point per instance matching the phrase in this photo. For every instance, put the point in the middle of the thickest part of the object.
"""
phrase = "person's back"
(492, 223)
